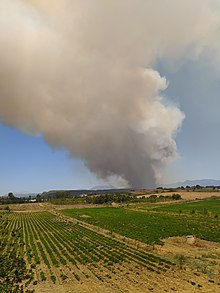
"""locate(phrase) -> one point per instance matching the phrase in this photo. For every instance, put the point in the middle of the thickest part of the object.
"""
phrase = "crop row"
(146, 226)
(201, 207)
(14, 273)
(58, 243)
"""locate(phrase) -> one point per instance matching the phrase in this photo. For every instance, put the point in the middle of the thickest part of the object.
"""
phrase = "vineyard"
(147, 226)
(209, 208)
(56, 250)
(110, 249)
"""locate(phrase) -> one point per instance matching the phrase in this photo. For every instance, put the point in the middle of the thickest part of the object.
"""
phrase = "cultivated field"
(138, 248)
(150, 227)
(209, 207)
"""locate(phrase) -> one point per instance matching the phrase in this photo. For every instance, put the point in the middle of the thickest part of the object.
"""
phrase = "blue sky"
(195, 87)
(28, 164)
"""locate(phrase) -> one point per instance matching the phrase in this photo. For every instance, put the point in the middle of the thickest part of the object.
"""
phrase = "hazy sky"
(125, 92)
(195, 86)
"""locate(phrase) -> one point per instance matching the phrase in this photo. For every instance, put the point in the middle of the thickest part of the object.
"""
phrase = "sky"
(195, 86)
(122, 93)
(28, 164)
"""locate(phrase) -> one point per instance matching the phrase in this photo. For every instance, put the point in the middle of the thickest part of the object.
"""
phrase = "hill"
(201, 182)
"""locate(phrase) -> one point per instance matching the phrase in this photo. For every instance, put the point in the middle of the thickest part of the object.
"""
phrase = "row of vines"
(15, 275)
(56, 250)
(148, 226)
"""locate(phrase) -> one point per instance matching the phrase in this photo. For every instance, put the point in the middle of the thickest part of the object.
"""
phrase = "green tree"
(11, 195)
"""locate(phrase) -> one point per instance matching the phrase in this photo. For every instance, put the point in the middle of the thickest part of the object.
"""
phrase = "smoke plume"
(81, 74)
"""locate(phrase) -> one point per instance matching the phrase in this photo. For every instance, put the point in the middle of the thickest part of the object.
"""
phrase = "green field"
(58, 247)
(65, 250)
(203, 207)
(148, 226)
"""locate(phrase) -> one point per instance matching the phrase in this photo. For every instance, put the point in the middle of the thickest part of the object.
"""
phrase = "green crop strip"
(149, 227)
(13, 269)
(43, 237)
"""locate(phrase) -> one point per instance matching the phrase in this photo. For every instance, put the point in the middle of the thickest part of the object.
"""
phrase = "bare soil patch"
(85, 216)
(201, 258)
(47, 206)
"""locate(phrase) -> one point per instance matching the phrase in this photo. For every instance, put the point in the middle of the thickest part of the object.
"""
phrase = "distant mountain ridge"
(20, 194)
(103, 187)
(79, 192)
(201, 182)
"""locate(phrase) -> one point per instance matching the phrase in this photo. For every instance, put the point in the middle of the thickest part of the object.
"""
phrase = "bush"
(12, 272)
(176, 196)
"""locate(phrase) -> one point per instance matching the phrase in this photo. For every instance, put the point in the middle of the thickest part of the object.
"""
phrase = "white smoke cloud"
(81, 74)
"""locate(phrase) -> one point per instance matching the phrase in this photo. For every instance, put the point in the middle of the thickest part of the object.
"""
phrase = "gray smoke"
(80, 73)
